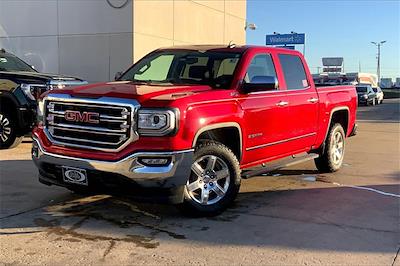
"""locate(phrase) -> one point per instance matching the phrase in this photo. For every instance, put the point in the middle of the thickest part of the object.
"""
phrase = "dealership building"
(94, 39)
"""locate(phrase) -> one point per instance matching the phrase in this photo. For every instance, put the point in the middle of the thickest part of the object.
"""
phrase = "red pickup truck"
(185, 124)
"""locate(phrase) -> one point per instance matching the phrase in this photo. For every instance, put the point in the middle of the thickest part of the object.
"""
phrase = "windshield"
(361, 89)
(215, 69)
(12, 63)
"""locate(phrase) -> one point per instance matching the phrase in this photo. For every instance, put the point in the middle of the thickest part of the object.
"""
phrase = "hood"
(130, 90)
(44, 77)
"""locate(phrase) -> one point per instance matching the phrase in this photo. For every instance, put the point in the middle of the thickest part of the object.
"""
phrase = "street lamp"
(378, 67)
(250, 26)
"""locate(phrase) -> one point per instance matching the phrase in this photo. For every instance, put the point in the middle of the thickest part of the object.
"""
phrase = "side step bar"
(280, 164)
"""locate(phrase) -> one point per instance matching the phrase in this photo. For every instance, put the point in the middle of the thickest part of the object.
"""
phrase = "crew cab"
(20, 86)
(186, 124)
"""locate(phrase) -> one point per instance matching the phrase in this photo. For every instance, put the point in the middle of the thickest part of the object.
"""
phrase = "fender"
(338, 108)
(221, 125)
(9, 96)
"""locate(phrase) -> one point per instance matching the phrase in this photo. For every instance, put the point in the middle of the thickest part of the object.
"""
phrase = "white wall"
(86, 38)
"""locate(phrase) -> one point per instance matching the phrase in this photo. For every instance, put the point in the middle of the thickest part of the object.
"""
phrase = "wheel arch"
(218, 131)
(341, 115)
(10, 105)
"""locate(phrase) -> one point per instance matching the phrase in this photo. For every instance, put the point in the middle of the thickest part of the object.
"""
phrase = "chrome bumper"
(175, 173)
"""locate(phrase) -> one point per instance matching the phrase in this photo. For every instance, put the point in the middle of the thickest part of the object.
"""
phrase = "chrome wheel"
(5, 128)
(337, 149)
(209, 180)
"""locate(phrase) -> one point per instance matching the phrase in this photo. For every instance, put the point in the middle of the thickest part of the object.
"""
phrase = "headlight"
(40, 112)
(157, 122)
(32, 91)
(57, 86)
(365, 96)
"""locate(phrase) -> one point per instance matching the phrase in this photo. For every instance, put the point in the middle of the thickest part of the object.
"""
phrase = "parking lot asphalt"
(292, 216)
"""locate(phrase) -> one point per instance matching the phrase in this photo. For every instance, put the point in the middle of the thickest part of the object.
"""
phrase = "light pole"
(378, 67)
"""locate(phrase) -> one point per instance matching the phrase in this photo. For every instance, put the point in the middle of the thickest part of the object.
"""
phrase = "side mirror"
(260, 83)
(118, 75)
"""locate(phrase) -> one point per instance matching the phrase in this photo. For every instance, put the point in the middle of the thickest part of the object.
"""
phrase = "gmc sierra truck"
(20, 86)
(186, 124)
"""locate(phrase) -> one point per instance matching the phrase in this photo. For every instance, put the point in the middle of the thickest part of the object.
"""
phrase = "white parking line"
(369, 189)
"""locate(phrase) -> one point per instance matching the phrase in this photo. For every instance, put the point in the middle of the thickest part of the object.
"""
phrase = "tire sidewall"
(221, 151)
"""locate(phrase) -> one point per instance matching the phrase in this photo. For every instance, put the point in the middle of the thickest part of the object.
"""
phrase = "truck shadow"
(326, 218)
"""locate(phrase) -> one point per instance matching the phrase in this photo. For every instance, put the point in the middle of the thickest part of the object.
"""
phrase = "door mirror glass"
(118, 75)
(260, 83)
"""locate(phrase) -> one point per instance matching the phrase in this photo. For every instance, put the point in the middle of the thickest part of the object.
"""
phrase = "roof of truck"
(223, 48)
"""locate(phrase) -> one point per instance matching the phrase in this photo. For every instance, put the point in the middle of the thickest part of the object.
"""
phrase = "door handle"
(312, 100)
(282, 103)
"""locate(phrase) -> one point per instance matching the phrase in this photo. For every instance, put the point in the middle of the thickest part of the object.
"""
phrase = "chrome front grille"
(103, 124)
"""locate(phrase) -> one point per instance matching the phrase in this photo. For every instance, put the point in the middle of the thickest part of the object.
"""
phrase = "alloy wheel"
(5, 128)
(337, 150)
(209, 181)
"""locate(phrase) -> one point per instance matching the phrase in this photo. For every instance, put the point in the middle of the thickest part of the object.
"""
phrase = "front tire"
(8, 132)
(214, 181)
(331, 159)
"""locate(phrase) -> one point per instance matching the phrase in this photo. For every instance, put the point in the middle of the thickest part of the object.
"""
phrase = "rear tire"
(8, 132)
(214, 181)
(332, 157)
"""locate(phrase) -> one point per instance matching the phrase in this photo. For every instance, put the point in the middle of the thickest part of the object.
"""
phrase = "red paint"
(262, 122)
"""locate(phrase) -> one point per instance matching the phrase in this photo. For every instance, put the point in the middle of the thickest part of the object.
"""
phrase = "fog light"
(154, 161)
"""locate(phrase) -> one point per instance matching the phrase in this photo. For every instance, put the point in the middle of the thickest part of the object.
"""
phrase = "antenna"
(231, 44)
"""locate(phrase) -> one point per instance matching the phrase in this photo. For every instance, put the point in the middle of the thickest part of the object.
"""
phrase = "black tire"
(326, 162)
(226, 160)
(9, 137)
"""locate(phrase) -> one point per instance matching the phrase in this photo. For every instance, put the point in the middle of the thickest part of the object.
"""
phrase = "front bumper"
(127, 172)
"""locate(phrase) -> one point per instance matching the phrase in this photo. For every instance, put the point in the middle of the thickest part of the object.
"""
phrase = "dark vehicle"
(366, 95)
(20, 86)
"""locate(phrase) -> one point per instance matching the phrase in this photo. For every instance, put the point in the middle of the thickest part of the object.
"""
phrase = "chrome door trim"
(280, 141)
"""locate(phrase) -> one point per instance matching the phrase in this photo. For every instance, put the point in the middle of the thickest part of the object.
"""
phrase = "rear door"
(303, 102)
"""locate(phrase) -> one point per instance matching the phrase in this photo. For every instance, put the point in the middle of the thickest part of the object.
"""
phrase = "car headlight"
(57, 86)
(40, 112)
(33, 92)
(157, 122)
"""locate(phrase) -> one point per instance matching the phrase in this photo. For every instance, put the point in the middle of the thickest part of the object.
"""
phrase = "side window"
(293, 71)
(261, 65)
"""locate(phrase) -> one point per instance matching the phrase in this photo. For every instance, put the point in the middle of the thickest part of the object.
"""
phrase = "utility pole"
(378, 67)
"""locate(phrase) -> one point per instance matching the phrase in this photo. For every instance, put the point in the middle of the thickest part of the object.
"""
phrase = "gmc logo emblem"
(87, 117)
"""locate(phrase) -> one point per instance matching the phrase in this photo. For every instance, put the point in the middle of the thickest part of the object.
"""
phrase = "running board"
(288, 161)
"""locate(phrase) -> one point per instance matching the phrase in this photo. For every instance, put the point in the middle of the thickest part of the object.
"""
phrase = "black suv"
(20, 86)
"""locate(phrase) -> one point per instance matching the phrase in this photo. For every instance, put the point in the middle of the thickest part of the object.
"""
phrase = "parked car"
(186, 124)
(366, 95)
(378, 95)
(20, 86)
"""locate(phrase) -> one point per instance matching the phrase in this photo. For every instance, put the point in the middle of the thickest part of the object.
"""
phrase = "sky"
(338, 28)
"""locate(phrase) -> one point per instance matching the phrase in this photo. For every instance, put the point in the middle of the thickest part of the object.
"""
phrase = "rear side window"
(293, 71)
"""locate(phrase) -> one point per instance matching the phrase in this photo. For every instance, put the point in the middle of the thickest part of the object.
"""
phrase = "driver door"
(265, 114)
